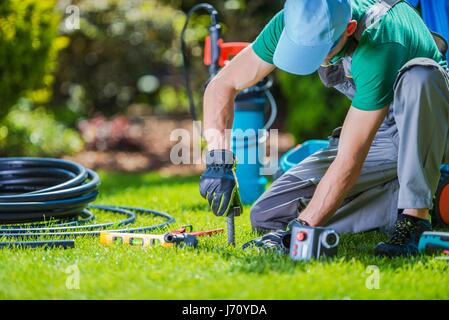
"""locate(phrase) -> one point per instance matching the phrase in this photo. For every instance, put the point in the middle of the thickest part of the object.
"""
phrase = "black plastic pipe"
(42, 197)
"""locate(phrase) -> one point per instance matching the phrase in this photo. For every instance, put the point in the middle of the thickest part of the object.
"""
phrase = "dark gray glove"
(218, 184)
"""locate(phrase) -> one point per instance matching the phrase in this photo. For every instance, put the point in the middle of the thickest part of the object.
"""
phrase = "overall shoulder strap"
(441, 43)
(373, 15)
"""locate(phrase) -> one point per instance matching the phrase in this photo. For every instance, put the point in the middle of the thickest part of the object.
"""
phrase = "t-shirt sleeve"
(266, 42)
(374, 69)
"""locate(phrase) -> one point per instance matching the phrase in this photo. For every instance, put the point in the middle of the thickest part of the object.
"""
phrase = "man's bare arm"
(245, 70)
(356, 138)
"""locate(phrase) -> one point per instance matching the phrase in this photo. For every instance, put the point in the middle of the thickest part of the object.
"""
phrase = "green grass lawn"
(213, 270)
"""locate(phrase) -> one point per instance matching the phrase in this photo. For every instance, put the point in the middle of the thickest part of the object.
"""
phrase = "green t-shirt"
(400, 37)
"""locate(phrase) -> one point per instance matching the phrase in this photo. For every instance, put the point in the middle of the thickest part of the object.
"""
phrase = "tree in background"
(128, 51)
(29, 45)
(120, 55)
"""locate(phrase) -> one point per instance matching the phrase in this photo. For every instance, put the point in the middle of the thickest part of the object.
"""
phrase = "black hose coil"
(36, 191)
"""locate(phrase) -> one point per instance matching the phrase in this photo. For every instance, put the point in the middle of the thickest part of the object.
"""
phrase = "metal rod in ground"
(231, 229)
(37, 244)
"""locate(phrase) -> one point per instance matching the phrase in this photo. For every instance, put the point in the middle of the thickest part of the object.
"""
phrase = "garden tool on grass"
(189, 230)
(182, 236)
(148, 240)
(231, 227)
(300, 241)
(431, 241)
(312, 242)
(435, 242)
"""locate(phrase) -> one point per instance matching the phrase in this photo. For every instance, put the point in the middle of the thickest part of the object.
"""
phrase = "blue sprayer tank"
(249, 108)
(249, 114)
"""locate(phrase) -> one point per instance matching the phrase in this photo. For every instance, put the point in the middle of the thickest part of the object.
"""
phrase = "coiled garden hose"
(41, 197)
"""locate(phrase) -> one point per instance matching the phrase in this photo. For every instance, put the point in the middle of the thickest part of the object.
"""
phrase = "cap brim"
(296, 59)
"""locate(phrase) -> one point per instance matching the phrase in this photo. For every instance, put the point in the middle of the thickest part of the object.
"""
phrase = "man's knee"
(264, 218)
(419, 77)
(258, 218)
(266, 215)
(421, 88)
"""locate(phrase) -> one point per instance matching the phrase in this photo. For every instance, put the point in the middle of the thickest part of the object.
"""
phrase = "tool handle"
(235, 212)
(179, 239)
(206, 233)
(231, 229)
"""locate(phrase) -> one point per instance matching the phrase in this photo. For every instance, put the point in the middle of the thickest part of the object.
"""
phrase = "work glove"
(218, 184)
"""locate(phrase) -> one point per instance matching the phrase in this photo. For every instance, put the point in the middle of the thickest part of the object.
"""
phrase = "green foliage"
(29, 44)
(313, 110)
(174, 100)
(122, 41)
(119, 43)
(35, 132)
(212, 271)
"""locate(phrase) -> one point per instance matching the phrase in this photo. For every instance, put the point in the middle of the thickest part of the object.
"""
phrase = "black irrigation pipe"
(42, 197)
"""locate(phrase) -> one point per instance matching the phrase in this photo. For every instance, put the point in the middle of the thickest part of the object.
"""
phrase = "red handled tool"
(188, 229)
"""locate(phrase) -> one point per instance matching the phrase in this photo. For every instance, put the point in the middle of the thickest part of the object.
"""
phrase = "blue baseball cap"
(312, 29)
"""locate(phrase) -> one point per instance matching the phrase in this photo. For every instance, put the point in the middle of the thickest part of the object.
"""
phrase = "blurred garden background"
(107, 89)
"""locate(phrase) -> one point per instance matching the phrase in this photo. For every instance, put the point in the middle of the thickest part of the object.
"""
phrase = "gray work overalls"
(402, 168)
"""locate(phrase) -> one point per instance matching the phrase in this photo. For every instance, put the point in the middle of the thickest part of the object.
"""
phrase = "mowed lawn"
(213, 270)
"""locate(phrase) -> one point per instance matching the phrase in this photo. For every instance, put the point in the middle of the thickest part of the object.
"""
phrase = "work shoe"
(405, 238)
(277, 242)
